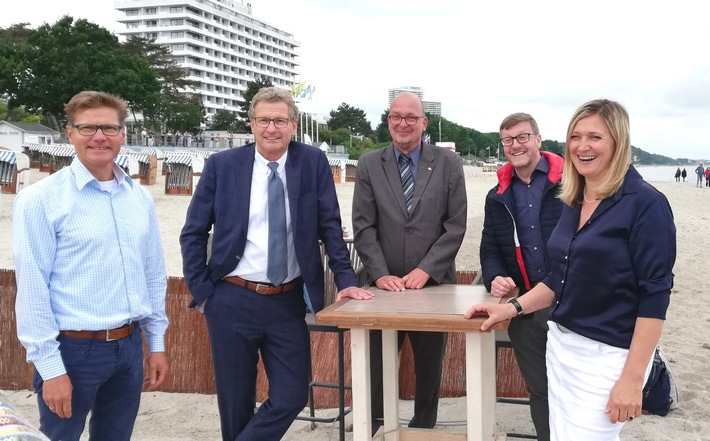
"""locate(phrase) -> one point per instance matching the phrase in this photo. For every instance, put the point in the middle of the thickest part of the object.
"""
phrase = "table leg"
(360, 356)
(390, 377)
(480, 386)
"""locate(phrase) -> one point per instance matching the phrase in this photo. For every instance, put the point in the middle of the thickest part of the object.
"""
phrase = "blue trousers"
(242, 325)
(107, 379)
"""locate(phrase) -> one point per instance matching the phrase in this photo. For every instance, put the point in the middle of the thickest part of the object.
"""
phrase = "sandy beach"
(685, 340)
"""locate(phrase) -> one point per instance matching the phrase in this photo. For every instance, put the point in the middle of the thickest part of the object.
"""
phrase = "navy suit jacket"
(221, 203)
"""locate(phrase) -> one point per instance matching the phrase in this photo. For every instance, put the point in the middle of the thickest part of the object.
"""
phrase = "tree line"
(42, 68)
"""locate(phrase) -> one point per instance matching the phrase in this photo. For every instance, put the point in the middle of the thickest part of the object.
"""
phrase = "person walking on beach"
(269, 204)
(409, 219)
(90, 282)
(684, 174)
(520, 213)
(707, 176)
(677, 175)
(700, 172)
(611, 260)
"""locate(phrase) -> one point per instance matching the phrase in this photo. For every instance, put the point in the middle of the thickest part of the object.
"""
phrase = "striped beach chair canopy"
(8, 156)
(150, 151)
(61, 150)
(122, 160)
(179, 158)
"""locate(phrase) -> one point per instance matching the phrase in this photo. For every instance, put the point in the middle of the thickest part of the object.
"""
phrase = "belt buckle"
(266, 289)
(108, 332)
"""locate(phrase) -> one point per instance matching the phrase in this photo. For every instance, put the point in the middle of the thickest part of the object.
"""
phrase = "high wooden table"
(437, 308)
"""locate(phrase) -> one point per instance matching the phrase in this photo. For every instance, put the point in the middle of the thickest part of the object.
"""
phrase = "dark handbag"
(660, 388)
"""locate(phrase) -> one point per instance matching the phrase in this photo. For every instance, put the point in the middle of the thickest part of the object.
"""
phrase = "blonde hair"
(90, 99)
(616, 119)
(274, 95)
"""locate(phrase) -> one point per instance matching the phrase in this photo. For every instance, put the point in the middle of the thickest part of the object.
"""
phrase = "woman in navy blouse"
(611, 273)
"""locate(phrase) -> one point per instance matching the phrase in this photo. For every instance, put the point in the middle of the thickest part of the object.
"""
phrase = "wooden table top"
(436, 308)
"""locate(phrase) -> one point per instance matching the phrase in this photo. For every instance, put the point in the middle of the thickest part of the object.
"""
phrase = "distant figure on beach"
(90, 282)
(611, 260)
(684, 174)
(700, 172)
(707, 176)
(270, 204)
(409, 219)
(677, 175)
(520, 213)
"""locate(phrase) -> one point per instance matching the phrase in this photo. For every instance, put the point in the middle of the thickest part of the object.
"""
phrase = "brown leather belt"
(266, 289)
(104, 335)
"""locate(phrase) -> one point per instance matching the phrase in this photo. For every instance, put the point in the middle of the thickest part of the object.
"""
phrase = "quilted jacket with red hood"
(500, 249)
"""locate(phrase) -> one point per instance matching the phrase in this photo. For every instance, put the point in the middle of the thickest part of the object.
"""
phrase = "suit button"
(408, 231)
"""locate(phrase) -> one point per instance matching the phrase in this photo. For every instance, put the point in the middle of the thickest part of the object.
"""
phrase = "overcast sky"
(486, 59)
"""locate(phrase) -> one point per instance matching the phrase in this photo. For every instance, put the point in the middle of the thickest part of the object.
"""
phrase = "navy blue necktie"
(405, 173)
(277, 266)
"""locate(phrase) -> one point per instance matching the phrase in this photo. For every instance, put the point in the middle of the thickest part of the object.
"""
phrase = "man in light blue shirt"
(90, 282)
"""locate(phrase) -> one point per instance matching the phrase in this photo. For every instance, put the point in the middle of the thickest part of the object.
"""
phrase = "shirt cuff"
(156, 343)
(50, 368)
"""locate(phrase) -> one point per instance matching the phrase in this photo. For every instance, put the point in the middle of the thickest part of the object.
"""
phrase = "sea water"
(665, 173)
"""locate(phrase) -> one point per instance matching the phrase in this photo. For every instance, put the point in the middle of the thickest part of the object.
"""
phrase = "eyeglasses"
(279, 123)
(91, 129)
(522, 139)
(409, 120)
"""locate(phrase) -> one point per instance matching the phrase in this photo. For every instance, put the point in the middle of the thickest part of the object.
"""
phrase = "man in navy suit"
(248, 314)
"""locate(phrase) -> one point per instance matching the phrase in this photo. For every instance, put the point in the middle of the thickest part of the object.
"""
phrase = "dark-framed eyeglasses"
(409, 120)
(279, 123)
(91, 129)
(522, 139)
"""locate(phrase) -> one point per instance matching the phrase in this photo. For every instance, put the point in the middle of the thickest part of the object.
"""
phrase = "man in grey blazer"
(408, 237)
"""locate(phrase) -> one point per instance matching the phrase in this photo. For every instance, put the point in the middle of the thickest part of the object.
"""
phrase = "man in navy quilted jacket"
(520, 213)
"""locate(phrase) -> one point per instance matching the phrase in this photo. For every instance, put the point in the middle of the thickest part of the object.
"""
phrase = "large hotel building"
(220, 42)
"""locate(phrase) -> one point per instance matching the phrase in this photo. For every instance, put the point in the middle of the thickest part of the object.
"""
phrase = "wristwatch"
(518, 308)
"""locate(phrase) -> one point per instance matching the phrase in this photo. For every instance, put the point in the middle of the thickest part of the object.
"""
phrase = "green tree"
(173, 80)
(244, 103)
(223, 119)
(553, 146)
(183, 112)
(350, 118)
(18, 114)
(336, 137)
(382, 133)
(52, 63)
(172, 77)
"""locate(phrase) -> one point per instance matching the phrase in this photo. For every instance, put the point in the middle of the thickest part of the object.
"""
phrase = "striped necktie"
(405, 173)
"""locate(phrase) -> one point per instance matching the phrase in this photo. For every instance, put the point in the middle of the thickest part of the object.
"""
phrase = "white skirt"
(581, 373)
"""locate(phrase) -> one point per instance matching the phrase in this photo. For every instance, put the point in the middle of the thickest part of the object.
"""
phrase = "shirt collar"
(262, 162)
(414, 154)
(83, 176)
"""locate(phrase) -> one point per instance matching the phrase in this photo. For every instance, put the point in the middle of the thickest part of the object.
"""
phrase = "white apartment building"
(220, 42)
(430, 107)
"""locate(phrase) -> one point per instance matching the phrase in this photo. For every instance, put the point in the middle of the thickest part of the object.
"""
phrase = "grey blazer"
(387, 239)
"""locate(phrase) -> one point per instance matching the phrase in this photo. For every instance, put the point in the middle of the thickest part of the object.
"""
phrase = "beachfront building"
(430, 107)
(14, 134)
(220, 42)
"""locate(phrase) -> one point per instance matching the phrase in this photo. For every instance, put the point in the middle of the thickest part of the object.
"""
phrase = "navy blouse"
(617, 267)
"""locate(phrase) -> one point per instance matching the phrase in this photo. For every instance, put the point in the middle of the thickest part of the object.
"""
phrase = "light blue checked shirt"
(85, 259)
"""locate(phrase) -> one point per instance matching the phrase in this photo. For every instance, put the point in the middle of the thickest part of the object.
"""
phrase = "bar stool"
(503, 341)
(340, 385)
